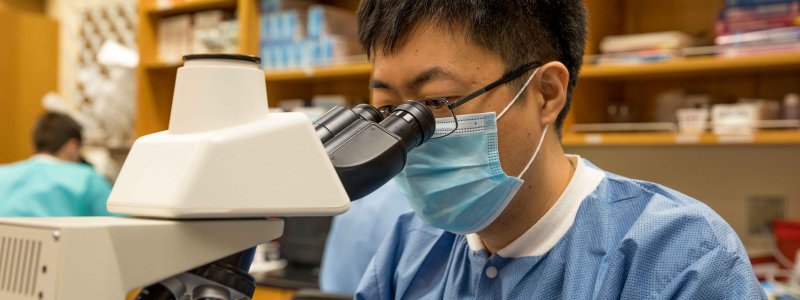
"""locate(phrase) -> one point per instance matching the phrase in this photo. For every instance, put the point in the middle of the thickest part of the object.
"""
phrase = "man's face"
(436, 63)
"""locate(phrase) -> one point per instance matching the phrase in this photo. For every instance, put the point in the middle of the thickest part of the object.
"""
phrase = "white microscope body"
(197, 192)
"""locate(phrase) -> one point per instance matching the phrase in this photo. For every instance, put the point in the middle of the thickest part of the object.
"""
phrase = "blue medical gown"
(630, 240)
(42, 187)
(355, 236)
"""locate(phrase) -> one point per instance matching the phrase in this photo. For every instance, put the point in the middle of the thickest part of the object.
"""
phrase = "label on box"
(734, 119)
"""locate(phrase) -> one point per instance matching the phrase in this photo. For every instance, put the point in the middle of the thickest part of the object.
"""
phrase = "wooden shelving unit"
(357, 69)
(151, 8)
(668, 139)
(638, 86)
(695, 67)
(768, 76)
(361, 69)
(157, 65)
(156, 78)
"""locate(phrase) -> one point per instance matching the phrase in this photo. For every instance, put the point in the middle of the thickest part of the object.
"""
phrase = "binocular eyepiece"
(338, 118)
(366, 148)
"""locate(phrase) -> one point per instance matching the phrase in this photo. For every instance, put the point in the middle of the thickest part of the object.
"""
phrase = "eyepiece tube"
(338, 118)
(366, 154)
(368, 113)
(333, 122)
(412, 122)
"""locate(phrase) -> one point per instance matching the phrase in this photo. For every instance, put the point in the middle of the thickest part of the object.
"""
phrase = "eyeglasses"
(442, 108)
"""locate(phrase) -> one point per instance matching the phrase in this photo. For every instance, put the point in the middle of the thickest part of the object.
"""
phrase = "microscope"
(203, 193)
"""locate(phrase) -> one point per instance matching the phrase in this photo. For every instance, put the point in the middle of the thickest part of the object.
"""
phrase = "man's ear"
(553, 87)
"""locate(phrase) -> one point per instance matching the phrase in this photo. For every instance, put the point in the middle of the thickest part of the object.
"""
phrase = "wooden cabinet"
(765, 76)
(268, 293)
(28, 70)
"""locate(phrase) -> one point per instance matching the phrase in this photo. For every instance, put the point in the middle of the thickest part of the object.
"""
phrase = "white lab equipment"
(107, 257)
(224, 158)
(225, 155)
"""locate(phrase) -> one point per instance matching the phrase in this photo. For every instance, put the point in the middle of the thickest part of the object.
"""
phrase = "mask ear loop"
(544, 133)
(518, 93)
(535, 153)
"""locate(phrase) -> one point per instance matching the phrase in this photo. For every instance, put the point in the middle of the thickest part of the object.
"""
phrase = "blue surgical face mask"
(456, 182)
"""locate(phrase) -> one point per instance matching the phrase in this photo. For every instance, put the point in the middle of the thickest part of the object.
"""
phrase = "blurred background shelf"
(360, 69)
(675, 139)
(153, 9)
(161, 65)
(695, 67)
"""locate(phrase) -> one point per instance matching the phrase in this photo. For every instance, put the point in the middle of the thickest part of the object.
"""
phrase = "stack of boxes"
(212, 31)
(301, 34)
(643, 47)
(747, 27)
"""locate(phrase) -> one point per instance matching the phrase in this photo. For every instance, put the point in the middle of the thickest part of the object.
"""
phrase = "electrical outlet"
(762, 210)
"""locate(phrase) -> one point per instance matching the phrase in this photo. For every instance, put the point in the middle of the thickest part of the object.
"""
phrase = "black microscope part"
(368, 153)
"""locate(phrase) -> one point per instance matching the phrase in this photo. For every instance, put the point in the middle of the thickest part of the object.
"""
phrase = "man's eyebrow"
(428, 75)
(419, 80)
(377, 84)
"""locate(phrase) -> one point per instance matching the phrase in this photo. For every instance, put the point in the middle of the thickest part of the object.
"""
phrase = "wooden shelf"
(694, 67)
(363, 69)
(690, 66)
(190, 6)
(666, 139)
(154, 66)
(348, 70)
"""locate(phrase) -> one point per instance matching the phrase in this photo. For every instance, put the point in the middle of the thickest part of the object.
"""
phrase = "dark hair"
(519, 31)
(53, 130)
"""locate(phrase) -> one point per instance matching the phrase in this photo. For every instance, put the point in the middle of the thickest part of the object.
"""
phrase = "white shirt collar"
(544, 235)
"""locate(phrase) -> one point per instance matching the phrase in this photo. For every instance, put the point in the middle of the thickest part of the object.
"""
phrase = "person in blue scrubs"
(500, 211)
(53, 183)
(355, 236)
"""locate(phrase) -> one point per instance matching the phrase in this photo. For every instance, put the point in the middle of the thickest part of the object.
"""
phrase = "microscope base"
(102, 258)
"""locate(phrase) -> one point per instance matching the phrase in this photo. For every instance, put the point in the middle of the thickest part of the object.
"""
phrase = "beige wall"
(724, 176)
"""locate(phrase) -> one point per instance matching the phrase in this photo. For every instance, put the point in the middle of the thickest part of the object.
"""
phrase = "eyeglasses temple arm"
(508, 77)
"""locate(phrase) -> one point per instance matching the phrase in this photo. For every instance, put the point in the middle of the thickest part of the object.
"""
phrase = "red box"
(787, 237)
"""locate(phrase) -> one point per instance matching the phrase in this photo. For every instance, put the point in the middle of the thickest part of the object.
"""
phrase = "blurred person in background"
(55, 181)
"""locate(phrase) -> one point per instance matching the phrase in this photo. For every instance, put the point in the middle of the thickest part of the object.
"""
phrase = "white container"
(735, 119)
(791, 107)
(692, 120)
